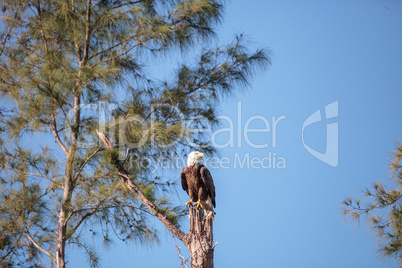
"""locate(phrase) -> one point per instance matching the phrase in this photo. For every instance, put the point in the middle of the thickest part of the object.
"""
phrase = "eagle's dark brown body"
(197, 181)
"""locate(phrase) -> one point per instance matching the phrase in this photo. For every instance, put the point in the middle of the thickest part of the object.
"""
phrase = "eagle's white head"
(193, 158)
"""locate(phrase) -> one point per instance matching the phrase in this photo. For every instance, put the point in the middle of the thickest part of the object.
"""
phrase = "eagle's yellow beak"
(200, 155)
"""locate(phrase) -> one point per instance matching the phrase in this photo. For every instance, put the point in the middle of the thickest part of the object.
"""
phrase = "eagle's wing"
(208, 182)
(183, 180)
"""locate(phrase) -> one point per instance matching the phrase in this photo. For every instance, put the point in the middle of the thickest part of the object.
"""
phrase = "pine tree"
(381, 206)
(73, 70)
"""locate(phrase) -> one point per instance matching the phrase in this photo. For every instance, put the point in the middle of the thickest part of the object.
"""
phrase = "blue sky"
(322, 51)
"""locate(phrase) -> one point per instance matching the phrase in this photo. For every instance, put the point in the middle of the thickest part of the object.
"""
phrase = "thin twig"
(38, 246)
(56, 135)
(85, 162)
(393, 9)
(182, 260)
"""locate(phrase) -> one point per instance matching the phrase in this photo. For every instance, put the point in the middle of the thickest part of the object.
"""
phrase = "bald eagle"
(197, 181)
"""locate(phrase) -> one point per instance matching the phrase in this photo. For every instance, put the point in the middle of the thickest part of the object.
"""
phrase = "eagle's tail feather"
(208, 208)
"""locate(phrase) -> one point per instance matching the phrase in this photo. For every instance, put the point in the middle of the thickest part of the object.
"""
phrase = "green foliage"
(172, 214)
(22, 210)
(381, 206)
(149, 192)
(60, 61)
(111, 156)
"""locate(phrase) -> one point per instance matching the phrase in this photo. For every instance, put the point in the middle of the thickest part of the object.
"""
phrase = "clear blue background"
(323, 51)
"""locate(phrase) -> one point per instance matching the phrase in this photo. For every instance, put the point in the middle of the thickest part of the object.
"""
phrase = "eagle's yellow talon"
(198, 204)
(189, 203)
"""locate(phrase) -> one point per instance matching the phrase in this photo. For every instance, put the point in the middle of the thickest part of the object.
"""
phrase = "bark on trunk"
(200, 240)
(61, 242)
(64, 211)
(68, 187)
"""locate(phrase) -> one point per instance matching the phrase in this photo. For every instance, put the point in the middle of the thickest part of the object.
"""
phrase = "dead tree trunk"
(200, 239)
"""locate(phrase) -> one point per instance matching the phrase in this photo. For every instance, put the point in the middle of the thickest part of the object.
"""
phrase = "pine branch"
(114, 8)
(81, 167)
(88, 214)
(3, 44)
(56, 135)
(124, 52)
(87, 30)
(31, 174)
(5, 264)
(140, 195)
(175, 26)
(395, 10)
(85, 216)
(39, 175)
(38, 246)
